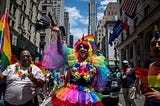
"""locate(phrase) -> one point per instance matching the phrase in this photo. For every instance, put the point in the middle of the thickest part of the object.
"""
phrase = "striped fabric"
(5, 46)
(129, 6)
(154, 77)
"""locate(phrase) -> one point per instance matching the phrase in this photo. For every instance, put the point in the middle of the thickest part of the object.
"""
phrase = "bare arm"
(59, 40)
(57, 30)
(2, 78)
(67, 78)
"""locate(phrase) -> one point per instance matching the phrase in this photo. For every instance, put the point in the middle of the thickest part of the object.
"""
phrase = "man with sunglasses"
(22, 81)
(153, 96)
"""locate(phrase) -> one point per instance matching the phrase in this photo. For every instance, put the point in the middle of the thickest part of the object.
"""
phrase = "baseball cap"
(125, 62)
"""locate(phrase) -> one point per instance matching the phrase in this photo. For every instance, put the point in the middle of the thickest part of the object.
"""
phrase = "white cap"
(125, 62)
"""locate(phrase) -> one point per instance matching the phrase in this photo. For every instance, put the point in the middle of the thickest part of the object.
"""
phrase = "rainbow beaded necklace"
(84, 71)
(22, 74)
(125, 74)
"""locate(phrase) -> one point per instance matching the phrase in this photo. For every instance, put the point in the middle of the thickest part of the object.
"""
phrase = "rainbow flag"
(5, 46)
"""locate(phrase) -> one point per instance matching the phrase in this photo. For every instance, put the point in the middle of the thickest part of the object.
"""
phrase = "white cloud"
(102, 7)
(78, 33)
(105, 2)
(75, 17)
(76, 22)
(100, 15)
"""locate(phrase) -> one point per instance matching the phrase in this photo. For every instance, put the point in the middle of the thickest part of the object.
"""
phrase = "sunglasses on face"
(25, 56)
(82, 46)
(154, 43)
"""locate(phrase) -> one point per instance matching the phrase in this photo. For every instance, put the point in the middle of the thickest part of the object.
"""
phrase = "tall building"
(104, 28)
(92, 17)
(66, 27)
(71, 37)
(23, 15)
(46, 36)
(58, 8)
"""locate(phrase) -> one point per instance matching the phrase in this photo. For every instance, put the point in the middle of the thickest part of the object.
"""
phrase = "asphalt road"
(139, 102)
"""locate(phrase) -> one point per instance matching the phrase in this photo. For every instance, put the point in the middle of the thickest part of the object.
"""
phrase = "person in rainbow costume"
(87, 73)
(153, 96)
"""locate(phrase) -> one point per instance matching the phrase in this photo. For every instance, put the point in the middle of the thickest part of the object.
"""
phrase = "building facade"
(104, 28)
(66, 27)
(58, 8)
(92, 17)
(134, 43)
(46, 36)
(23, 15)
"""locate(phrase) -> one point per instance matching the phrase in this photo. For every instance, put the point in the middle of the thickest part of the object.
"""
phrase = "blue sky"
(78, 15)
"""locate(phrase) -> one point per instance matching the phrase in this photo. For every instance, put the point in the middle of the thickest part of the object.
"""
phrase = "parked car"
(111, 93)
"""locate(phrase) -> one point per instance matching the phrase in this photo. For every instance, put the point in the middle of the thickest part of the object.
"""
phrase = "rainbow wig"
(87, 44)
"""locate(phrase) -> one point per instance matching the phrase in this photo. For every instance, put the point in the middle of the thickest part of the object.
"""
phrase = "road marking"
(45, 101)
(120, 104)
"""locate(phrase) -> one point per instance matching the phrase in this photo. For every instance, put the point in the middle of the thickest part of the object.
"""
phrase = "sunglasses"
(82, 46)
(26, 56)
(153, 44)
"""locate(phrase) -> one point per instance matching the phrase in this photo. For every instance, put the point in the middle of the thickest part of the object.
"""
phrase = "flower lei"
(125, 75)
(20, 72)
(84, 71)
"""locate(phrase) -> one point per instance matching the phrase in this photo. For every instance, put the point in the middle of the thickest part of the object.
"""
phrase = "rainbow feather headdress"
(88, 41)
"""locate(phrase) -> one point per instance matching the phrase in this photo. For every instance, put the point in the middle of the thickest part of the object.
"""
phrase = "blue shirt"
(128, 82)
(117, 74)
(56, 75)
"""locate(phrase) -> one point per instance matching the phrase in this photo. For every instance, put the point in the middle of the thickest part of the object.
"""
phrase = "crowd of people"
(85, 77)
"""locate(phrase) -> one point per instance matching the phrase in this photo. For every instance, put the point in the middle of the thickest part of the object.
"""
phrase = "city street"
(92, 48)
(139, 102)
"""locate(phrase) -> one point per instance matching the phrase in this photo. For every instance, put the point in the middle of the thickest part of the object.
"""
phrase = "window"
(135, 22)
(146, 10)
(44, 14)
(14, 10)
(131, 52)
(108, 12)
(10, 7)
(13, 24)
(44, 8)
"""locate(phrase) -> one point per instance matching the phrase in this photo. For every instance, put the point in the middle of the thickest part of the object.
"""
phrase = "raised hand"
(55, 29)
